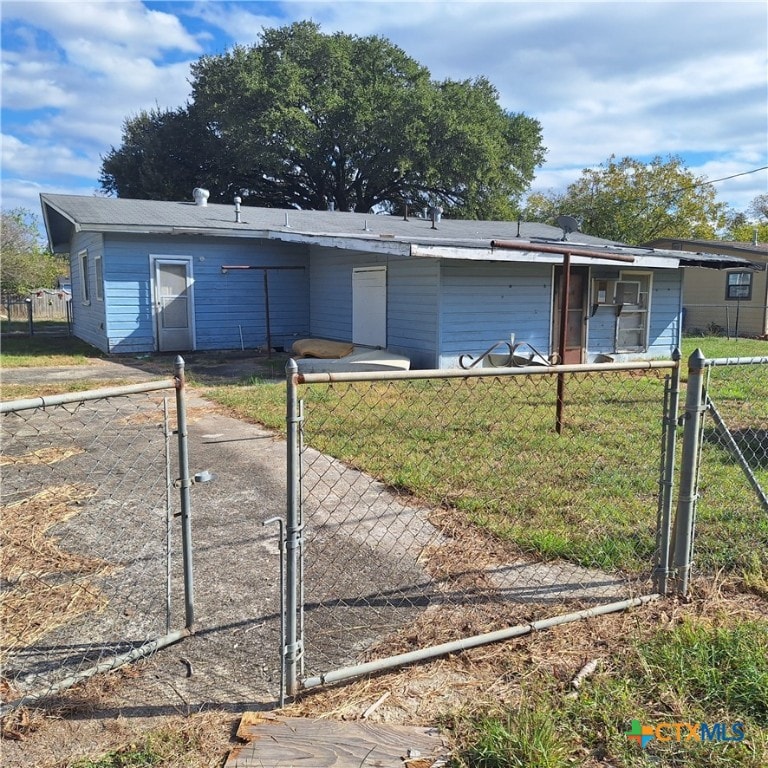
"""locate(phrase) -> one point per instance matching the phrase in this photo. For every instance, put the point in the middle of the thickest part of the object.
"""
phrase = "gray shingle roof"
(64, 214)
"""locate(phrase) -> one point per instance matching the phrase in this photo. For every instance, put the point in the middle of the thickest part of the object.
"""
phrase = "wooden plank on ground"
(290, 742)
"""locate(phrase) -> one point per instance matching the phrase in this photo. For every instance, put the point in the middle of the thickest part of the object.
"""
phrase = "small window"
(84, 278)
(738, 285)
(98, 269)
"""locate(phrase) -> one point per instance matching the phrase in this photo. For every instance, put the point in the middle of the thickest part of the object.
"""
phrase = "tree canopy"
(745, 226)
(25, 264)
(634, 202)
(306, 120)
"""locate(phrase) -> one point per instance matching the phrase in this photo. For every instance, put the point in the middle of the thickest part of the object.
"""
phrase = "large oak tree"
(307, 120)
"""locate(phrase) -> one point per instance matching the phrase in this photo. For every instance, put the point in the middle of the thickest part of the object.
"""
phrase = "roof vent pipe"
(331, 205)
(237, 209)
(200, 195)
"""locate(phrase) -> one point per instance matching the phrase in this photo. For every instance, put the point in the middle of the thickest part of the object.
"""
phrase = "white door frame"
(156, 260)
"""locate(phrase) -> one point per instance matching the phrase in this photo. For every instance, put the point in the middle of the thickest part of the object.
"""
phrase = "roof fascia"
(45, 206)
(373, 244)
(537, 257)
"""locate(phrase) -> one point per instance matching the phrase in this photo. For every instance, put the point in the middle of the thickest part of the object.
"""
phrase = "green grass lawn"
(487, 449)
(717, 346)
(699, 671)
(44, 350)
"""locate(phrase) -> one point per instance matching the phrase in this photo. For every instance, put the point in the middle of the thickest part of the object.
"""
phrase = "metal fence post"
(30, 320)
(667, 476)
(689, 471)
(185, 483)
(291, 651)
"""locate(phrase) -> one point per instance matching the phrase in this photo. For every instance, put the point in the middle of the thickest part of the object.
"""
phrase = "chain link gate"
(723, 505)
(89, 570)
(431, 511)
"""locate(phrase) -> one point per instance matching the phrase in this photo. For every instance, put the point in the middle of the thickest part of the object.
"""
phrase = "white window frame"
(85, 293)
(642, 308)
(98, 269)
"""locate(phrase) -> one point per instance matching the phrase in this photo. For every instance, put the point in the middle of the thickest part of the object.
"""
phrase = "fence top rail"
(737, 361)
(460, 373)
(12, 406)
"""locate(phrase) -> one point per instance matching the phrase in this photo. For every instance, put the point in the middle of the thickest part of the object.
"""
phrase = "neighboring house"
(176, 276)
(735, 300)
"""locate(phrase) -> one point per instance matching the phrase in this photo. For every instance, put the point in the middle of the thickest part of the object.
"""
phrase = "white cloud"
(128, 24)
(625, 78)
(20, 158)
(31, 84)
(236, 20)
(108, 62)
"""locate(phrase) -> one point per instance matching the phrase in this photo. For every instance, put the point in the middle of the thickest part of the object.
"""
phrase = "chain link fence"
(732, 319)
(425, 510)
(453, 507)
(732, 505)
(91, 569)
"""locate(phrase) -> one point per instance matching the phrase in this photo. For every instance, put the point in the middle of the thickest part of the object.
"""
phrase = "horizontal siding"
(482, 304)
(412, 300)
(226, 304)
(665, 325)
(330, 304)
(127, 294)
(89, 320)
(412, 309)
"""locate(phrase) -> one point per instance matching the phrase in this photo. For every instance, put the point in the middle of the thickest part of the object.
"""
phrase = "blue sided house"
(177, 276)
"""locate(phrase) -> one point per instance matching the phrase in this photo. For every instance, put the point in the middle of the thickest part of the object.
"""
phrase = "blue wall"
(437, 309)
(664, 326)
(412, 300)
(225, 304)
(483, 303)
(89, 319)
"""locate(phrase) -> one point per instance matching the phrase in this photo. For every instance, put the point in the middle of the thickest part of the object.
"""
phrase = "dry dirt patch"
(48, 586)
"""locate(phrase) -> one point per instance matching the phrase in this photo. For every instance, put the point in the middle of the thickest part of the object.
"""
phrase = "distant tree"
(634, 202)
(305, 120)
(744, 226)
(25, 263)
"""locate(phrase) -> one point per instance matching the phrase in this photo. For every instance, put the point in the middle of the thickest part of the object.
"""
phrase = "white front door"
(369, 306)
(174, 309)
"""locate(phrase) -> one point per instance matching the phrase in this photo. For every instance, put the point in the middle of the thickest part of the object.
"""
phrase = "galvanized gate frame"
(292, 535)
(184, 483)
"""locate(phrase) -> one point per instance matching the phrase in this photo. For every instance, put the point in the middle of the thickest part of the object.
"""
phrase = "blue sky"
(634, 79)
